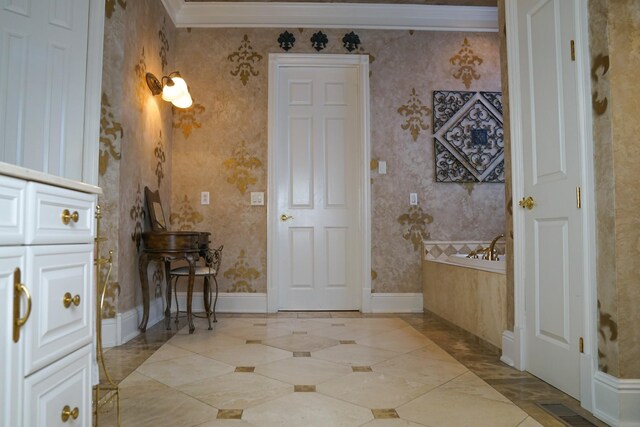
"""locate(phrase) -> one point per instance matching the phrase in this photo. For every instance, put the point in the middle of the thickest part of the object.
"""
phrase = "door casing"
(361, 62)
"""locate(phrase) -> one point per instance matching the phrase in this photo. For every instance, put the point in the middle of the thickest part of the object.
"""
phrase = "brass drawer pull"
(67, 216)
(18, 290)
(68, 412)
(68, 299)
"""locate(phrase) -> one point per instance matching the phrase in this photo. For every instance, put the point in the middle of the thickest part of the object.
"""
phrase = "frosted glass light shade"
(184, 101)
(175, 91)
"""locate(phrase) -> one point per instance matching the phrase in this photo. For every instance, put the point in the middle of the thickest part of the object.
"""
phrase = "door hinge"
(581, 345)
(573, 50)
(578, 198)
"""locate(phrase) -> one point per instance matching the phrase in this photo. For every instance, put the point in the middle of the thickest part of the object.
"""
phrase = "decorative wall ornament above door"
(351, 41)
(286, 40)
(319, 41)
(468, 136)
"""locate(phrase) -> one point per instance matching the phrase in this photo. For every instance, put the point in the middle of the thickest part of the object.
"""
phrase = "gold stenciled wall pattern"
(416, 114)
(187, 119)
(111, 134)
(185, 217)
(241, 167)
(237, 112)
(466, 62)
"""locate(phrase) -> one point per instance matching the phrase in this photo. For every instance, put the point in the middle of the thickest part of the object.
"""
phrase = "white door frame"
(277, 61)
(588, 360)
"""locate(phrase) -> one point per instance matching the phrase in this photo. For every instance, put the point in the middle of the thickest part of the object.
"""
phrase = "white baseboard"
(124, 327)
(396, 303)
(508, 348)
(616, 401)
(228, 302)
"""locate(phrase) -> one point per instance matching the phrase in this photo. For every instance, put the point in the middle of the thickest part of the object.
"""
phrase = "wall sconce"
(172, 87)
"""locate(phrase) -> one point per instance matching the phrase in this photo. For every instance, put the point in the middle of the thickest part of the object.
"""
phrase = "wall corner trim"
(124, 327)
(332, 15)
(616, 401)
(508, 348)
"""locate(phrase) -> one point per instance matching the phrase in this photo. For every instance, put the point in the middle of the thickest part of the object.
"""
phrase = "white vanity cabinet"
(46, 266)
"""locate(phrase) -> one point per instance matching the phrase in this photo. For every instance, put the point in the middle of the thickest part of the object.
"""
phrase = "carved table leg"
(206, 294)
(216, 300)
(143, 263)
(190, 294)
(167, 310)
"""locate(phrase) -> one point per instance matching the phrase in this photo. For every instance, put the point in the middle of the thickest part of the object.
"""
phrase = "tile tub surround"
(449, 353)
(472, 299)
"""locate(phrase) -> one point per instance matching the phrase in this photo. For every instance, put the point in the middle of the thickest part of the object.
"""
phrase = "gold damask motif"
(110, 6)
(158, 152)
(415, 113)
(137, 214)
(600, 67)
(240, 167)
(466, 61)
(142, 90)
(164, 44)
(417, 221)
(242, 275)
(187, 119)
(185, 217)
(374, 274)
(111, 294)
(111, 133)
(245, 58)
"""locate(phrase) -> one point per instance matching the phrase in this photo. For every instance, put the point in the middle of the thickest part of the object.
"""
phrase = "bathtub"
(468, 292)
(498, 266)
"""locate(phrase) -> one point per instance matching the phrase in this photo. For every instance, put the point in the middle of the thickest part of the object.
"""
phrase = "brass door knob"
(68, 412)
(285, 217)
(67, 300)
(67, 216)
(527, 203)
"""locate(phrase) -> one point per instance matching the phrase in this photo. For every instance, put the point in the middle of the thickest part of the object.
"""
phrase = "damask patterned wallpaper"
(136, 136)
(220, 145)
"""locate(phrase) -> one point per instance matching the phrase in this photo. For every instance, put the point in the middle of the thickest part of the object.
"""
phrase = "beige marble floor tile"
(300, 342)
(252, 332)
(469, 383)
(249, 355)
(432, 351)
(300, 324)
(374, 390)
(303, 370)
(396, 422)
(237, 390)
(345, 332)
(308, 410)
(530, 422)
(145, 402)
(204, 344)
(184, 370)
(428, 371)
(354, 355)
(401, 340)
(452, 409)
(227, 423)
(167, 352)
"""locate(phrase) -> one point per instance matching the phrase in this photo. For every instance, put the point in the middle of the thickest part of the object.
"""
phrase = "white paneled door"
(553, 220)
(318, 159)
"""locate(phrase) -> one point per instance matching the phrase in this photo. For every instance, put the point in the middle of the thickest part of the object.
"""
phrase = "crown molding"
(332, 15)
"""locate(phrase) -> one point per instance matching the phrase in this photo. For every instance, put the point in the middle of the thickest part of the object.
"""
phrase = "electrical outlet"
(257, 198)
(204, 198)
(413, 199)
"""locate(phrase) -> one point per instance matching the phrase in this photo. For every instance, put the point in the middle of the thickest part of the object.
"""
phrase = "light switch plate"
(204, 198)
(382, 167)
(257, 198)
(413, 199)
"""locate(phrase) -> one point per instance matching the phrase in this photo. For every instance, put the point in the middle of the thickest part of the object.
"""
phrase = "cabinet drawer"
(65, 383)
(12, 211)
(46, 222)
(55, 328)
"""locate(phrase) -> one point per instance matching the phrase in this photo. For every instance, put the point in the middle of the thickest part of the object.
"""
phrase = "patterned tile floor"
(325, 370)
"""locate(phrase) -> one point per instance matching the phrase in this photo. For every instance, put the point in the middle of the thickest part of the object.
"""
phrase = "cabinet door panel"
(10, 352)
(12, 211)
(56, 329)
(64, 383)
